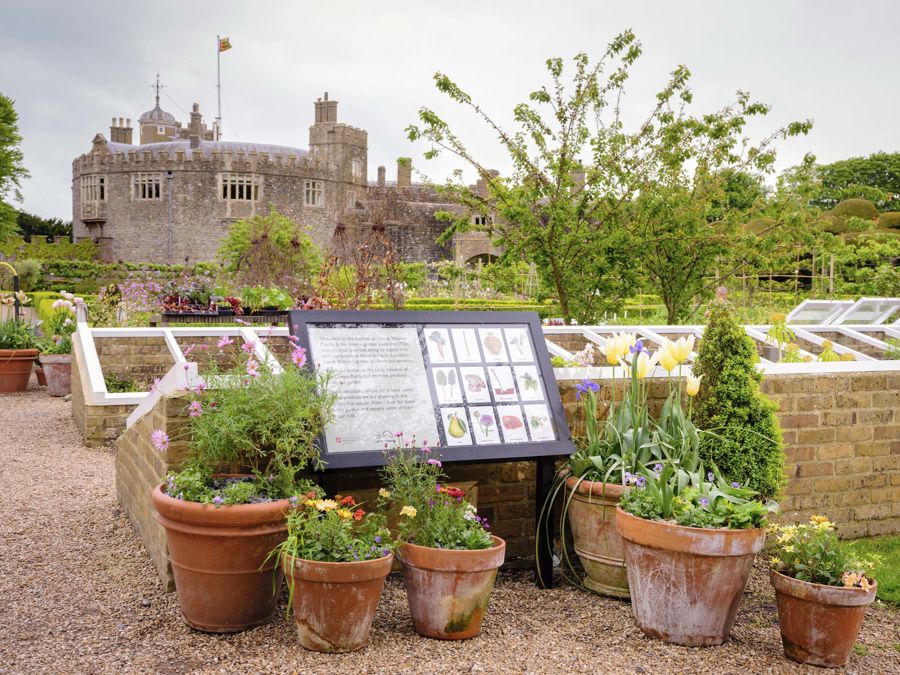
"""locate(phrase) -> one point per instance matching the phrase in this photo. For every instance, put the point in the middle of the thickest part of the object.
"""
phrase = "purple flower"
(298, 356)
(641, 481)
(735, 484)
(637, 347)
(224, 341)
(186, 366)
(387, 551)
(585, 387)
(628, 477)
(709, 476)
(657, 468)
(426, 451)
(434, 462)
(160, 440)
(704, 502)
(196, 409)
(377, 538)
(252, 366)
(437, 487)
(293, 500)
(217, 500)
(248, 346)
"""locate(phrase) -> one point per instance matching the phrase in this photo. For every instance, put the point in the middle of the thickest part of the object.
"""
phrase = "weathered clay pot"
(449, 590)
(15, 369)
(58, 371)
(686, 582)
(819, 624)
(41, 378)
(335, 602)
(218, 557)
(592, 517)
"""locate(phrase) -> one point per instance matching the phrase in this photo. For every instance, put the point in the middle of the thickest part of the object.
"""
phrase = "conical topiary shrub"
(747, 446)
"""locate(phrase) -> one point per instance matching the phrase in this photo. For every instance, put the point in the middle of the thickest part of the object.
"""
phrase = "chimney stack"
(404, 172)
(381, 173)
(195, 130)
(120, 131)
(326, 111)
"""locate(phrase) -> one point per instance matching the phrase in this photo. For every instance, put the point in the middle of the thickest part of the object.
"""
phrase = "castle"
(172, 197)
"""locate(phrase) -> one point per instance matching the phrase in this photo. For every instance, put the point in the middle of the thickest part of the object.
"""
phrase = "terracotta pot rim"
(824, 594)
(226, 515)
(337, 572)
(718, 542)
(19, 353)
(453, 560)
(596, 488)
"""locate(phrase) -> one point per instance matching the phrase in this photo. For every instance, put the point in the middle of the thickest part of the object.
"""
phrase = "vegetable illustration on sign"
(493, 344)
(438, 341)
(451, 380)
(511, 422)
(474, 383)
(486, 422)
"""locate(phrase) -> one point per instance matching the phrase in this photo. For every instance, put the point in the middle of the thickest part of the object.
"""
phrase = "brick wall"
(98, 424)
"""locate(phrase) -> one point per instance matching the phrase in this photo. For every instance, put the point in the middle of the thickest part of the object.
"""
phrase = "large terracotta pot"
(592, 517)
(58, 372)
(686, 582)
(819, 624)
(335, 602)
(218, 557)
(15, 369)
(449, 590)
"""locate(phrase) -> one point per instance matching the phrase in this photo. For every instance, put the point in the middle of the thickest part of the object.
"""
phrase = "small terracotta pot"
(592, 517)
(819, 624)
(218, 557)
(449, 590)
(15, 369)
(335, 602)
(686, 582)
(41, 378)
(58, 371)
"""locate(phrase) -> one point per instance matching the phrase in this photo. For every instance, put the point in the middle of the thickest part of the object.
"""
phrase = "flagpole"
(219, 85)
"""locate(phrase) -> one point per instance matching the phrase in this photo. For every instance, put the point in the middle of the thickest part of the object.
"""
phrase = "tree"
(270, 250)
(587, 200)
(746, 443)
(876, 178)
(12, 169)
(30, 224)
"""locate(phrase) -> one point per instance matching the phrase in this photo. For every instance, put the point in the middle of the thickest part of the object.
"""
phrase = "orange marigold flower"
(347, 501)
(358, 514)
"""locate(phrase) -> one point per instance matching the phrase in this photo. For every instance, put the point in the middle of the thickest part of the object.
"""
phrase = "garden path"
(80, 595)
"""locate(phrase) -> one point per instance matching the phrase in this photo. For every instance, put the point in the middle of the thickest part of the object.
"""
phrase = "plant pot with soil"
(56, 348)
(335, 558)
(220, 528)
(18, 351)
(822, 592)
(690, 543)
(450, 560)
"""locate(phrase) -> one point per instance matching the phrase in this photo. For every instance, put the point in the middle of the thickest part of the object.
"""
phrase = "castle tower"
(157, 125)
(343, 147)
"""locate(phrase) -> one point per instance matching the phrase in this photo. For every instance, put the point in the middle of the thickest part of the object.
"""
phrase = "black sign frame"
(299, 323)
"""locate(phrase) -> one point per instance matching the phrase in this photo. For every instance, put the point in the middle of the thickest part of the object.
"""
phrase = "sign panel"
(477, 384)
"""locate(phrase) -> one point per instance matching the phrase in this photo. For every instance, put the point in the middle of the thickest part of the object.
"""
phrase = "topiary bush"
(890, 219)
(747, 445)
(855, 207)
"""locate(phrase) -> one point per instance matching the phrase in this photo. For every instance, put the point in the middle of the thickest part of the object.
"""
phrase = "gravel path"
(78, 594)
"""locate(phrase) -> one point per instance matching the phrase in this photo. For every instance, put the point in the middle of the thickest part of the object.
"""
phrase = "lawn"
(888, 572)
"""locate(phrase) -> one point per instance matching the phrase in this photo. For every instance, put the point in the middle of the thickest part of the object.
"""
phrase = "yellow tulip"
(646, 364)
(693, 385)
(684, 347)
(666, 355)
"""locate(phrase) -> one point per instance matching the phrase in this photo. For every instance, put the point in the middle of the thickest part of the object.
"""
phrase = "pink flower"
(242, 322)
(252, 366)
(186, 366)
(199, 388)
(434, 462)
(187, 352)
(160, 440)
(196, 409)
(224, 341)
(293, 338)
(298, 356)
(248, 346)
(155, 385)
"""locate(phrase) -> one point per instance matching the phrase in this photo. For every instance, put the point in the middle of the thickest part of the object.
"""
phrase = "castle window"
(357, 167)
(242, 187)
(479, 220)
(146, 186)
(93, 189)
(313, 193)
(161, 130)
(351, 199)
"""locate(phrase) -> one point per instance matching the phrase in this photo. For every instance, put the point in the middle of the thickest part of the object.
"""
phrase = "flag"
(224, 44)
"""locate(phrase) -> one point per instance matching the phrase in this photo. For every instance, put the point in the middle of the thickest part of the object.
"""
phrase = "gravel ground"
(78, 594)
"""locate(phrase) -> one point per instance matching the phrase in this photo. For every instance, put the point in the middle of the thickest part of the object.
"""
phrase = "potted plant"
(822, 592)
(335, 559)
(56, 348)
(450, 560)
(18, 351)
(690, 541)
(251, 432)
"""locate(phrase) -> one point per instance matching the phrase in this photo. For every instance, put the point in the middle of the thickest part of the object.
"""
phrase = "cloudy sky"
(71, 66)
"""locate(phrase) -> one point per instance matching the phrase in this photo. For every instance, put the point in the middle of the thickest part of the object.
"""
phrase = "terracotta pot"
(218, 559)
(335, 602)
(58, 371)
(686, 582)
(15, 369)
(592, 517)
(819, 624)
(449, 590)
(41, 378)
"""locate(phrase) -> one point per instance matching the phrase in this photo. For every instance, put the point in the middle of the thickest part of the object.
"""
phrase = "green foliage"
(12, 168)
(270, 250)
(118, 385)
(55, 228)
(890, 220)
(18, 335)
(193, 484)
(59, 327)
(430, 513)
(746, 445)
(811, 552)
(885, 551)
(876, 177)
(859, 208)
(262, 297)
(39, 249)
(29, 272)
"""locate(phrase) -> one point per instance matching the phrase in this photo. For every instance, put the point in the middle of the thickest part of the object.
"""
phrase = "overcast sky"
(71, 66)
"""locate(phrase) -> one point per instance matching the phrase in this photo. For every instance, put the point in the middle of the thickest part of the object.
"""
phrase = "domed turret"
(157, 125)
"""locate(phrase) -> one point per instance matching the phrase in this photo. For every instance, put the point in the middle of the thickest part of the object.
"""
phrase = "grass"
(888, 572)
